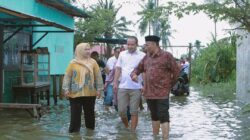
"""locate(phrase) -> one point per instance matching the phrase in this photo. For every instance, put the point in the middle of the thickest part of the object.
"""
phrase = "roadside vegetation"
(214, 68)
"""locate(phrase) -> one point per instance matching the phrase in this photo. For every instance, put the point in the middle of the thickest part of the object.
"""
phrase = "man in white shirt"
(129, 93)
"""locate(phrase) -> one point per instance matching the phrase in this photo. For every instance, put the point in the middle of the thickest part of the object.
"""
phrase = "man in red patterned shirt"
(160, 74)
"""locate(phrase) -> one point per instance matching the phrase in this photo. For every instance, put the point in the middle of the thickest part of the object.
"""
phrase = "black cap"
(152, 38)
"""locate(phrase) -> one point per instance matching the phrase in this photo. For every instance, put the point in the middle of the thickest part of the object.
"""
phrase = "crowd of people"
(127, 77)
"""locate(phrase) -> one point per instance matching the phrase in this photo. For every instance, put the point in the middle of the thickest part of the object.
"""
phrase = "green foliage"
(245, 109)
(103, 23)
(216, 63)
(224, 91)
(234, 11)
(148, 15)
(154, 17)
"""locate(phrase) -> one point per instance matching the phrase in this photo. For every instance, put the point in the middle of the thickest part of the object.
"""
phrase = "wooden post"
(1, 62)
(60, 87)
(47, 92)
(190, 59)
(36, 108)
(54, 89)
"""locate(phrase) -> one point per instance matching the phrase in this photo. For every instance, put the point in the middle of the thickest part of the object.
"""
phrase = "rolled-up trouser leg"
(109, 95)
(163, 110)
(159, 109)
(123, 102)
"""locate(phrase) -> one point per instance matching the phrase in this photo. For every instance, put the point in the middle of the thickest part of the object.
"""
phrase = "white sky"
(188, 29)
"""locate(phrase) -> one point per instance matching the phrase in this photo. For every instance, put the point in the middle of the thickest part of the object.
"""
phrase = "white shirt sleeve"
(109, 63)
(119, 60)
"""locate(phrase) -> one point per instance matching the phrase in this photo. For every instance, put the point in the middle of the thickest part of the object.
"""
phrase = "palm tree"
(104, 23)
(155, 18)
(165, 33)
(114, 27)
(147, 17)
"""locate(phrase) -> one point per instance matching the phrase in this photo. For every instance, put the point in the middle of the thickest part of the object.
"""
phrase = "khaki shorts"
(128, 97)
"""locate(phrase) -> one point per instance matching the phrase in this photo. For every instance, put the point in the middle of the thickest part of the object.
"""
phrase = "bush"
(215, 63)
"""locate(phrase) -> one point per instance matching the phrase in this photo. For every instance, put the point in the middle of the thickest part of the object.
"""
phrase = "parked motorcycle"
(182, 85)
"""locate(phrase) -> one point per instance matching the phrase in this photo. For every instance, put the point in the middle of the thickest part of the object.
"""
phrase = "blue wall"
(60, 45)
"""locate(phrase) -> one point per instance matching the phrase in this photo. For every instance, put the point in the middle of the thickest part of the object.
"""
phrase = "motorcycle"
(181, 88)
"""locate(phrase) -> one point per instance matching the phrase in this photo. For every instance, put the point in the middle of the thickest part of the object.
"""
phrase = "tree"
(103, 23)
(234, 11)
(214, 18)
(148, 15)
(155, 18)
(165, 30)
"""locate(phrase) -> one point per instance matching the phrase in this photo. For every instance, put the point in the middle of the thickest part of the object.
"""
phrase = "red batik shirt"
(160, 74)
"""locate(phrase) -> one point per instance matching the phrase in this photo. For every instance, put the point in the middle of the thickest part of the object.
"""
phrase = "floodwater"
(192, 118)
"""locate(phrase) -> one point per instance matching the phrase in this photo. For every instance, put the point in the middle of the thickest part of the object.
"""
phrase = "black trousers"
(87, 104)
(159, 109)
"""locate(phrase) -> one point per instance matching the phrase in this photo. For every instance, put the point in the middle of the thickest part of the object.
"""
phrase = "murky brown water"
(192, 118)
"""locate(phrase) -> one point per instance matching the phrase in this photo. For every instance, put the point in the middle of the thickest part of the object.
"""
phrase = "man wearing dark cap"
(160, 72)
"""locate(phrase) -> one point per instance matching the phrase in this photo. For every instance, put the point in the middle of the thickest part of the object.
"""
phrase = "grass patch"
(224, 91)
(246, 108)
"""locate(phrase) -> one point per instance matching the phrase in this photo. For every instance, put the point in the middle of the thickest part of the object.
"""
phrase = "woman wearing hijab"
(82, 84)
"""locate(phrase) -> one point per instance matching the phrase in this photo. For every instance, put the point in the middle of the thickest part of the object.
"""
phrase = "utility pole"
(215, 22)
(214, 2)
(190, 60)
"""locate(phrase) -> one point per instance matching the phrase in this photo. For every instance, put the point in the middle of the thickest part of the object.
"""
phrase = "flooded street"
(192, 118)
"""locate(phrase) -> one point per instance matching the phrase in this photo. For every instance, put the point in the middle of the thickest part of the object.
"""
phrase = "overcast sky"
(188, 29)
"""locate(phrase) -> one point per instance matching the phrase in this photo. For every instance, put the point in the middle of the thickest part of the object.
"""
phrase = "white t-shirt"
(111, 66)
(111, 62)
(127, 62)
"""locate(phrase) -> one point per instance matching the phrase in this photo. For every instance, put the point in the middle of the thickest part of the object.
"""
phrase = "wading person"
(108, 87)
(95, 55)
(129, 92)
(81, 85)
(160, 73)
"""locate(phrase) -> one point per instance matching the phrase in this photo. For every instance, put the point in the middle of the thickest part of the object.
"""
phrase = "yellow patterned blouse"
(82, 78)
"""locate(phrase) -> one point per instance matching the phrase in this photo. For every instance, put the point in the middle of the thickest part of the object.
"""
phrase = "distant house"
(28, 24)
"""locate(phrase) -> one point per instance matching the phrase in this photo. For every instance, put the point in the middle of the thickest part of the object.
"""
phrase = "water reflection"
(192, 118)
(179, 100)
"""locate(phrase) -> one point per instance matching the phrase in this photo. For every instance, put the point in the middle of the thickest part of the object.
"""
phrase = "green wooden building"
(28, 24)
